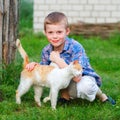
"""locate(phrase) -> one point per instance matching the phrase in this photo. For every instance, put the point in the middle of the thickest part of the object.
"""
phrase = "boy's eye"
(50, 32)
(59, 32)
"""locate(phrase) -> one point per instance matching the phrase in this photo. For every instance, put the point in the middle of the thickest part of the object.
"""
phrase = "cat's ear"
(75, 62)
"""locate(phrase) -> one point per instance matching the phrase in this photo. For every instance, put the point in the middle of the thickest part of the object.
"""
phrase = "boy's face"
(56, 34)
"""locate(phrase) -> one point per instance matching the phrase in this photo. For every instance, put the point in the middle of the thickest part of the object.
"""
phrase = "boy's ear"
(67, 30)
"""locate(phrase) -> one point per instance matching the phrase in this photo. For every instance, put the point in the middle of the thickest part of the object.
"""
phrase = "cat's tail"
(22, 52)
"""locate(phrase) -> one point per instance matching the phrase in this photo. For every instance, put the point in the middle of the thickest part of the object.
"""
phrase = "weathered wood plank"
(9, 30)
(1, 22)
(103, 30)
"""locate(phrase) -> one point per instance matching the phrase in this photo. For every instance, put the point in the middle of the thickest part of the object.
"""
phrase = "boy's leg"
(89, 85)
(64, 94)
(87, 88)
(70, 91)
(103, 97)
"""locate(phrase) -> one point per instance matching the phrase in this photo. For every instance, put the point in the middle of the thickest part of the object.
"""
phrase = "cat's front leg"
(38, 93)
(18, 98)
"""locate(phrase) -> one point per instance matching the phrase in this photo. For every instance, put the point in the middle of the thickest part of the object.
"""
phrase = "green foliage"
(9, 74)
(26, 14)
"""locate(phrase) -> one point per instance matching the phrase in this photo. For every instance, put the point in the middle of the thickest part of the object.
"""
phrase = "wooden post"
(1, 20)
(8, 29)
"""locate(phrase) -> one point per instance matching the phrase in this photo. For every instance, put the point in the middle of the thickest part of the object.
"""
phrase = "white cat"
(45, 75)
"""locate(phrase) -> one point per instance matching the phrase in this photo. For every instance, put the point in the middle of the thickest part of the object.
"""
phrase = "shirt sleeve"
(80, 55)
(45, 58)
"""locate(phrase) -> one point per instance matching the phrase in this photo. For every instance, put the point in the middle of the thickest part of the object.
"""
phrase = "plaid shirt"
(73, 50)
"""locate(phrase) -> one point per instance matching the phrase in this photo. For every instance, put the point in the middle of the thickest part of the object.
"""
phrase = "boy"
(63, 50)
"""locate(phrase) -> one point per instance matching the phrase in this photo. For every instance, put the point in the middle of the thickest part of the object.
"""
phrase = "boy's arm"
(55, 57)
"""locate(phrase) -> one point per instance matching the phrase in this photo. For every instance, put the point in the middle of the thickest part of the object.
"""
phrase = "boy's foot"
(63, 101)
(110, 100)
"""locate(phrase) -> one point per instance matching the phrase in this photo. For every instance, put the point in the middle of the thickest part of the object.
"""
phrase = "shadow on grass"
(1, 95)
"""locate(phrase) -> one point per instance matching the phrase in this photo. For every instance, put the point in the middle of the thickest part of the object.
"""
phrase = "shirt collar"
(67, 45)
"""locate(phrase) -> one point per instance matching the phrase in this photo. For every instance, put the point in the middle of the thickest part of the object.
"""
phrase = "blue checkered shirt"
(72, 50)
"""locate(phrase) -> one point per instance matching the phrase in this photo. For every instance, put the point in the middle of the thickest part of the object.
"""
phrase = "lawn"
(104, 56)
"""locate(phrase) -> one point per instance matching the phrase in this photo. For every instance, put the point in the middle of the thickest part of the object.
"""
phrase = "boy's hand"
(77, 79)
(31, 66)
(54, 56)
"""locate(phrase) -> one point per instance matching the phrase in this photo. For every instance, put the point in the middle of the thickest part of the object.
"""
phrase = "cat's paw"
(18, 101)
(46, 99)
(38, 104)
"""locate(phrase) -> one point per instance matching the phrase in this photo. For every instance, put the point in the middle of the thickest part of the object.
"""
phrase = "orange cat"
(45, 75)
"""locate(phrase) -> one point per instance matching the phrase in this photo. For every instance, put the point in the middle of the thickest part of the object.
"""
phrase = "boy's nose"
(54, 35)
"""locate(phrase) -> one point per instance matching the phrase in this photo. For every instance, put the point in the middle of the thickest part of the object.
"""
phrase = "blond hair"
(54, 18)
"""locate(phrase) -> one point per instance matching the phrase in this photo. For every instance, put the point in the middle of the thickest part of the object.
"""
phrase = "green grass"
(104, 56)
(25, 14)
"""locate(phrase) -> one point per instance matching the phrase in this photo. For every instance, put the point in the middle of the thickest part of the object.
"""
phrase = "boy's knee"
(72, 89)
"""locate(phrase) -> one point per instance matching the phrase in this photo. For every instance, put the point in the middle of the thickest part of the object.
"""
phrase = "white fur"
(57, 79)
